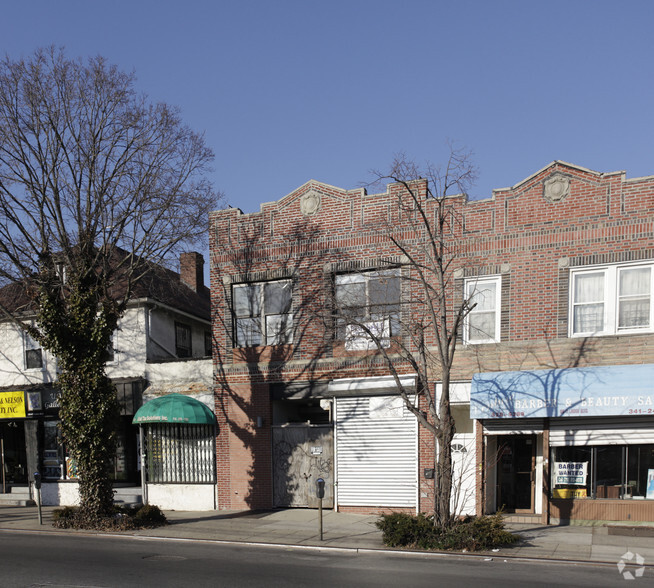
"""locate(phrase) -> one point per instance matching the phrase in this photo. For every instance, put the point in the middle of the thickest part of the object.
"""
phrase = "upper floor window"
(262, 313)
(183, 346)
(612, 299)
(33, 353)
(368, 308)
(482, 324)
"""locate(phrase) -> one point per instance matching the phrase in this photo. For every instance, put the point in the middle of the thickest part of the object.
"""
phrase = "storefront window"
(603, 472)
(571, 472)
(609, 471)
(640, 471)
(53, 451)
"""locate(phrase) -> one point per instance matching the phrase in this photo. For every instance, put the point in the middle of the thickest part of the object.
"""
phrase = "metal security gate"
(601, 431)
(180, 453)
(376, 452)
(301, 455)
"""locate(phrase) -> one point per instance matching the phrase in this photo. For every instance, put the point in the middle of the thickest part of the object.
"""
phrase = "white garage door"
(376, 452)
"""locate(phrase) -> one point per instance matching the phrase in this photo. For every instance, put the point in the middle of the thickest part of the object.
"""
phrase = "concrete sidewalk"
(300, 527)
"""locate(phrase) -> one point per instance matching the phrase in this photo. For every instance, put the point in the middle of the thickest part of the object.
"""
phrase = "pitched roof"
(157, 283)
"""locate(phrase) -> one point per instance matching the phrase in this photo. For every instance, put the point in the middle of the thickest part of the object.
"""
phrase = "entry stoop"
(17, 496)
(526, 519)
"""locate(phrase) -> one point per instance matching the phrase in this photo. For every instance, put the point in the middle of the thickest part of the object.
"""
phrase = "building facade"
(301, 393)
(162, 345)
(553, 374)
(562, 392)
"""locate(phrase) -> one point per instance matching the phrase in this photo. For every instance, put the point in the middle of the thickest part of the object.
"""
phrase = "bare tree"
(423, 337)
(97, 184)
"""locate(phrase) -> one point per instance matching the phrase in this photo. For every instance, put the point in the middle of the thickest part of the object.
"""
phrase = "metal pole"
(38, 503)
(320, 516)
(144, 482)
(2, 453)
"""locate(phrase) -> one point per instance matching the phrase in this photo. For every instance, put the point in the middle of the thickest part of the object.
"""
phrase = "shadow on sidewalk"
(241, 514)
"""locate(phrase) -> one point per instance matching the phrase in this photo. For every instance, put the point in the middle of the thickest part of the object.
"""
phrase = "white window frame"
(29, 344)
(610, 299)
(470, 286)
(356, 335)
(282, 335)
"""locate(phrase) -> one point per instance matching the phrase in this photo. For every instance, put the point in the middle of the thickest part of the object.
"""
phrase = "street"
(76, 560)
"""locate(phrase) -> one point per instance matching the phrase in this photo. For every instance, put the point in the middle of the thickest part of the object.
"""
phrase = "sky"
(286, 91)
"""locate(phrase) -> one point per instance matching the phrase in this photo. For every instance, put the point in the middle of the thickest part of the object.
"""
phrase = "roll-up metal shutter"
(589, 431)
(376, 452)
(513, 426)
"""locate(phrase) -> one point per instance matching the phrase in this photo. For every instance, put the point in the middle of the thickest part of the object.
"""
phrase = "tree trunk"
(88, 411)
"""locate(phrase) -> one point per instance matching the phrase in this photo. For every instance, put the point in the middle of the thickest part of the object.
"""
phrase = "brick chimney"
(191, 270)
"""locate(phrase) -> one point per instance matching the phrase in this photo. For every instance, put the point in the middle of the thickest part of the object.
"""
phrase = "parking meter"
(37, 480)
(320, 493)
(320, 488)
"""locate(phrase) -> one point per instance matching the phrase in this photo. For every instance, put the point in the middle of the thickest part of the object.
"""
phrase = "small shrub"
(150, 515)
(64, 514)
(122, 519)
(401, 530)
(419, 531)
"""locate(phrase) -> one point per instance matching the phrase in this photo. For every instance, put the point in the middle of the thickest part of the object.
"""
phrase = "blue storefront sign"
(623, 390)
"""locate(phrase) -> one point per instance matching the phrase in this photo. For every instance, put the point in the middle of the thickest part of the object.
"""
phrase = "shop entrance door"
(13, 457)
(516, 473)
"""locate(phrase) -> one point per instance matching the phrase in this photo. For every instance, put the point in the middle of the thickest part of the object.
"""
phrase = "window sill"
(263, 353)
(629, 333)
(486, 342)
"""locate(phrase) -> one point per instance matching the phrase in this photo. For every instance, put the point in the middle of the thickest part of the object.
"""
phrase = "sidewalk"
(300, 527)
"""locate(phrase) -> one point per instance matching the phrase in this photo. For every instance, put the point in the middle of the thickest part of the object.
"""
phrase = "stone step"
(19, 491)
(9, 500)
(526, 518)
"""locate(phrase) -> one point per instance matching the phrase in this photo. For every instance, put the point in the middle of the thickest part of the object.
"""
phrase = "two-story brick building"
(553, 376)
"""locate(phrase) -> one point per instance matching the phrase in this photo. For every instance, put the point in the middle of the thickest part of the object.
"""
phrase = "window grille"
(180, 453)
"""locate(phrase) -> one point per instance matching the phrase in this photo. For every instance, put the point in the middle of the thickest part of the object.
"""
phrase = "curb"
(485, 556)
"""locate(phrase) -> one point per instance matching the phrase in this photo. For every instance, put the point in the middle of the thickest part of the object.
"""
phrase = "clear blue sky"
(288, 91)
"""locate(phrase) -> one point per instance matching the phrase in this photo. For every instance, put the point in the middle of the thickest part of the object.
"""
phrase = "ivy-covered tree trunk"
(88, 422)
(99, 188)
(77, 327)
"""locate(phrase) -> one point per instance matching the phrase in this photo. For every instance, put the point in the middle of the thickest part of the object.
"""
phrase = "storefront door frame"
(516, 473)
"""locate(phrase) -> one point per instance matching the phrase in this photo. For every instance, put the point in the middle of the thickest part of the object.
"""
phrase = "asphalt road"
(71, 560)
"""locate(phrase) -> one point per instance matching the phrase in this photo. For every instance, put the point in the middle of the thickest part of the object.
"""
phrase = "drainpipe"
(144, 483)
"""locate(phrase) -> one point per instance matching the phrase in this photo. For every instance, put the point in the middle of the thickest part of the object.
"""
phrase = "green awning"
(174, 408)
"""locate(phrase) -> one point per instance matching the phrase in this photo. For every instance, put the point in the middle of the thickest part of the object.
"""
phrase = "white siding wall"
(182, 496)
(162, 334)
(130, 342)
(12, 360)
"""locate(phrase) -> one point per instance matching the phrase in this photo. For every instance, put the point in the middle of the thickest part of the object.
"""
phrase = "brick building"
(553, 374)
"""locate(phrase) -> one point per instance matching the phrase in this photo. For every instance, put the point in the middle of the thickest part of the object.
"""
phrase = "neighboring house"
(553, 396)
(559, 361)
(162, 345)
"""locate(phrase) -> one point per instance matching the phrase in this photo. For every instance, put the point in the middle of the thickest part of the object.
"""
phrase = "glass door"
(516, 473)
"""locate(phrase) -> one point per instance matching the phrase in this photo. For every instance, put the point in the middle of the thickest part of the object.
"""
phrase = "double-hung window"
(368, 308)
(262, 313)
(611, 299)
(183, 346)
(33, 353)
(482, 324)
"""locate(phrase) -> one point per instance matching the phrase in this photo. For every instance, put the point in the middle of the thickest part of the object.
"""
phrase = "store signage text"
(12, 405)
(566, 392)
(571, 473)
